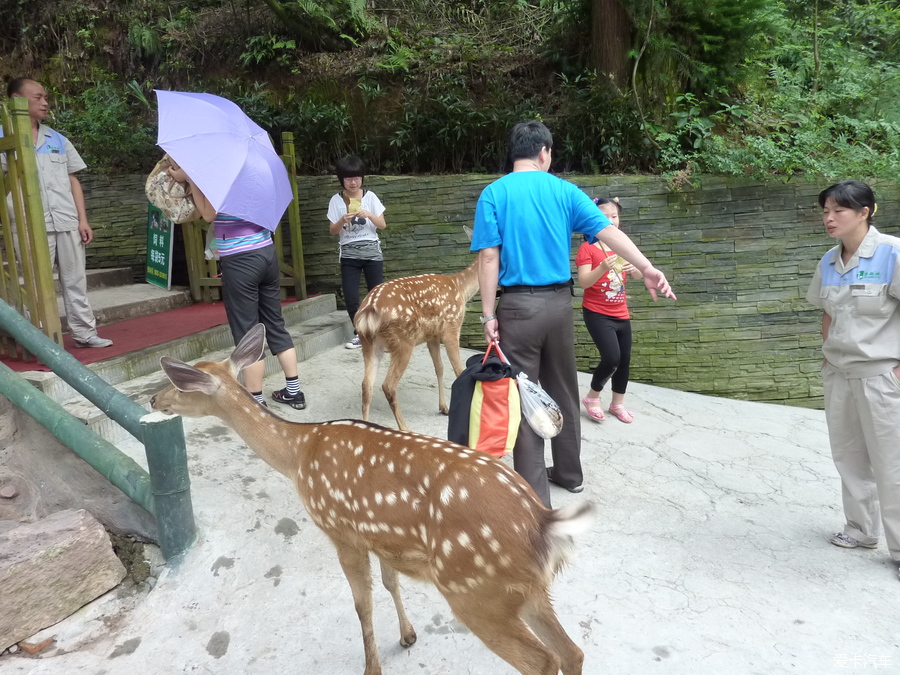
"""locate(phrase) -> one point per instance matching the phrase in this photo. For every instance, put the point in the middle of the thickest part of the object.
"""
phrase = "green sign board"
(159, 248)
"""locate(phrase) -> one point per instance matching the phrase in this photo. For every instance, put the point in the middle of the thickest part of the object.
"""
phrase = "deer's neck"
(274, 439)
(467, 280)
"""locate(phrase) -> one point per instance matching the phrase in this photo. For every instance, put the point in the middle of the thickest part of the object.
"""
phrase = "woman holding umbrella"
(239, 184)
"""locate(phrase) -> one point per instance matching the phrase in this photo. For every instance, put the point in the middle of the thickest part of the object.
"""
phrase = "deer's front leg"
(355, 563)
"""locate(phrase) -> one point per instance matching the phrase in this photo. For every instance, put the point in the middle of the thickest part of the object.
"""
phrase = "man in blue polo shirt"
(65, 216)
(523, 232)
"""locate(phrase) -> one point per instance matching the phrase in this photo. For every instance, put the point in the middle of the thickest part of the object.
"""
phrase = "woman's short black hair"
(350, 167)
(851, 194)
(600, 201)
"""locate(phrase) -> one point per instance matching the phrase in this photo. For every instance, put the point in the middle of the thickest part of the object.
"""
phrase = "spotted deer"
(401, 313)
(430, 509)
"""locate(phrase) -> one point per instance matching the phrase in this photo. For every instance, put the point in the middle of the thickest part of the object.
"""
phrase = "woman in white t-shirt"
(356, 215)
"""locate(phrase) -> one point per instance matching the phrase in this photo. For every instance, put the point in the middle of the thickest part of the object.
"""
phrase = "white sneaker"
(94, 341)
(354, 343)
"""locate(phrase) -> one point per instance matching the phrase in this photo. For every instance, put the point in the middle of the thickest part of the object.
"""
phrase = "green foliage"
(263, 49)
(747, 87)
(106, 130)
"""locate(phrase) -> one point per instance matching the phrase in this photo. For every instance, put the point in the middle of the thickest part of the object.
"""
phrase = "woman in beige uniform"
(857, 284)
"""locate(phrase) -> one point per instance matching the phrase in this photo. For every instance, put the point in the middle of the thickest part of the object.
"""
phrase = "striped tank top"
(234, 235)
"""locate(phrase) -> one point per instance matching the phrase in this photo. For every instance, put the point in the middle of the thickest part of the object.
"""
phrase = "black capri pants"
(251, 291)
(612, 337)
(351, 271)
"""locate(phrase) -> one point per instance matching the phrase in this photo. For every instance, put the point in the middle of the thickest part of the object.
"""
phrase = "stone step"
(103, 278)
(311, 336)
(117, 303)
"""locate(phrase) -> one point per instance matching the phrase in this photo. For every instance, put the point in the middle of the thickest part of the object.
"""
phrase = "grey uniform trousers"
(537, 335)
(67, 251)
(863, 417)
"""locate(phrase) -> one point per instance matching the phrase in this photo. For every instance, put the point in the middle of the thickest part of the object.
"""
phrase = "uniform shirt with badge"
(862, 297)
(56, 159)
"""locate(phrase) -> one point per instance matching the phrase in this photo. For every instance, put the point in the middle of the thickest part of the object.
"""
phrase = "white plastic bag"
(541, 411)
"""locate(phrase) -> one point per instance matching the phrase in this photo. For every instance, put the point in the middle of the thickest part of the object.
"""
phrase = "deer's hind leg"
(539, 614)
(451, 345)
(496, 621)
(390, 579)
(355, 563)
(434, 348)
(372, 359)
(400, 355)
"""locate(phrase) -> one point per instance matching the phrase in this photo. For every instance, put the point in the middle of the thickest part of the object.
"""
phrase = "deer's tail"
(558, 532)
(367, 321)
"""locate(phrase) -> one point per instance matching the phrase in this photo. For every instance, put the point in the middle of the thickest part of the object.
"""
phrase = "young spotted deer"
(402, 313)
(427, 508)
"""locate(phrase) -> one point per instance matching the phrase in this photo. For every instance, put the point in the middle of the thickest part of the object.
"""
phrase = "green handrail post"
(167, 460)
(166, 491)
(117, 467)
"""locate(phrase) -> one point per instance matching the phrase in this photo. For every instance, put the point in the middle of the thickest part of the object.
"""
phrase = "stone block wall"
(117, 212)
(739, 254)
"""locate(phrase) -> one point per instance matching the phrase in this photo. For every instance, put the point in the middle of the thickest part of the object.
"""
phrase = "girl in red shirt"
(602, 275)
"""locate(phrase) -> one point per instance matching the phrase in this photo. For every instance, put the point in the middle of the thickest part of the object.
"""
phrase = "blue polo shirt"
(531, 216)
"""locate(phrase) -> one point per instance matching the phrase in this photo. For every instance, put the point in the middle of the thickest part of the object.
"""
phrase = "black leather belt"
(535, 289)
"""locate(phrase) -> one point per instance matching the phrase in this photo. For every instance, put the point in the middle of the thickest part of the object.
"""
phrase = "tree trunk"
(610, 40)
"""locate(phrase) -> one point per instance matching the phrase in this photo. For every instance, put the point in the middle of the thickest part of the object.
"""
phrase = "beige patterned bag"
(170, 196)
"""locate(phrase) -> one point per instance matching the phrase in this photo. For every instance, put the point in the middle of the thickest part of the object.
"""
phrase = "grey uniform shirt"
(56, 159)
(862, 298)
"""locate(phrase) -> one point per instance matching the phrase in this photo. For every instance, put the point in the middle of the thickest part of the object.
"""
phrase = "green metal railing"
(165, 491)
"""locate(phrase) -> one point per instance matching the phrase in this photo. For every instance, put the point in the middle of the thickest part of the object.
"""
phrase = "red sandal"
(595, 413)
(619, 412)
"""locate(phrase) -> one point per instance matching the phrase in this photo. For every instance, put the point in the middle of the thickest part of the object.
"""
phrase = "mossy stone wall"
(739, 255)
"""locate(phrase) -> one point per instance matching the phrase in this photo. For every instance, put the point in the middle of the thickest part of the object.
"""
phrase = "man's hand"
(492, 331)
(655, 281)
(87, 234)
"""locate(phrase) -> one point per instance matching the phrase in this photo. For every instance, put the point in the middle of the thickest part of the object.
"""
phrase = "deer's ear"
(249, 349)
(468, 231)
(188, 378)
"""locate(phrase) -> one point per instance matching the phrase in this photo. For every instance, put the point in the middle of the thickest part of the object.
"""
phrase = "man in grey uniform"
(68, 231)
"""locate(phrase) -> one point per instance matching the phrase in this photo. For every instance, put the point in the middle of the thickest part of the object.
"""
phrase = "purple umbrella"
(227, 155)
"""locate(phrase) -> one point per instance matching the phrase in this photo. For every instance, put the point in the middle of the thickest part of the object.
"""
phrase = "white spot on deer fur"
(495, 546)
(423, 533)
(426, 482)
(503, 479)
(361, 470)
(384, 527)
(505, 560)
(390, 467)
(378, 498)
(358, 450)
(371, 514)
(310, 481)
(447, 547)
(446, 495)
(439, 516)
(464, 494)
(479, 560)
(390, 498)
(415, 504)
(408, 469)
(486, 530)
(465, 540)
(373, 459)
(248, 410)
(439, 564)
(398, 531)
(404, 495)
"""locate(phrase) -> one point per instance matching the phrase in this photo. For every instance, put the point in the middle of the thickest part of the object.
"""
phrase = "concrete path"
(710, 555)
